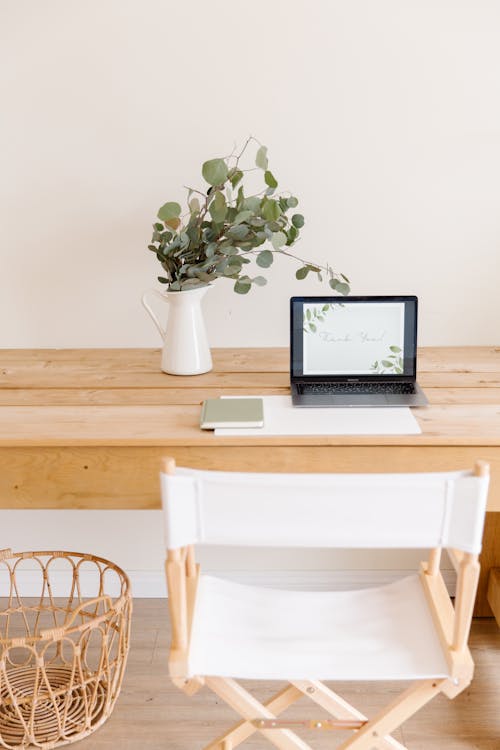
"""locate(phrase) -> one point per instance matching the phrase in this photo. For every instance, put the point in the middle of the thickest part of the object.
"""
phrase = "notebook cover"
(232, 412)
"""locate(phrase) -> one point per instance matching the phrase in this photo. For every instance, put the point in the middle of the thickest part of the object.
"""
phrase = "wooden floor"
(153, 715)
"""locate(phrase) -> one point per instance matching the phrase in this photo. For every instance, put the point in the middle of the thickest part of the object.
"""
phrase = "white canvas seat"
(406, 630)
(383, 633)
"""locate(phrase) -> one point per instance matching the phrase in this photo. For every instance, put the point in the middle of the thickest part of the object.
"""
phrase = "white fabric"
(325, 510)
(281, 418)
(384, 633)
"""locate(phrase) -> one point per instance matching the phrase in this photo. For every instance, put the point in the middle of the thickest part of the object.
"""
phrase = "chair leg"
(339, 708)
(247, 706)
(244, 729)
(405, 705)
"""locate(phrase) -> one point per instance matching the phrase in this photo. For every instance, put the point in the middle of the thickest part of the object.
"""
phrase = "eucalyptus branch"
(235, 229)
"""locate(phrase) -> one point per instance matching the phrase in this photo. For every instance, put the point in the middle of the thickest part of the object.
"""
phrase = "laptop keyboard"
(335, 388)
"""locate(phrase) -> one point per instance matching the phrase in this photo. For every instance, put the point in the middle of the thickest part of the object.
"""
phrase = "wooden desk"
(86, 428)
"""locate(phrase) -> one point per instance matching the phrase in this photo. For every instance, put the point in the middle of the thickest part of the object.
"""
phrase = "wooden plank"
(106, 377)
(101, 377)
(458, 358)
(453, 424)
(122, 396)
(490, 556)
(164, 396)
(494, 593)
(101, 368)
(226, 359)
(127, 477)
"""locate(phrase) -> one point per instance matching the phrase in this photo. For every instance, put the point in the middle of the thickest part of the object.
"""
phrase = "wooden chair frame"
(452, 625)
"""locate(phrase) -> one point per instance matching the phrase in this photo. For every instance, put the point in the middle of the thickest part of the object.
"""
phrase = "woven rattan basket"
(63, 651)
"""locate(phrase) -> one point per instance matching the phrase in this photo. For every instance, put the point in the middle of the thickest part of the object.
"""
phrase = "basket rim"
(55, 634)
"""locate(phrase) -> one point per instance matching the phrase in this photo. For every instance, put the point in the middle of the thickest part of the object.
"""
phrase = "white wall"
(383, 117)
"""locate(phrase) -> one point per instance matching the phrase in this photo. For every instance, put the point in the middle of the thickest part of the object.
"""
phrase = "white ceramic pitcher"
(185, 343)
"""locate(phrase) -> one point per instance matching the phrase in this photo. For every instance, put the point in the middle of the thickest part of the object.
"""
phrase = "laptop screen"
(365, 337)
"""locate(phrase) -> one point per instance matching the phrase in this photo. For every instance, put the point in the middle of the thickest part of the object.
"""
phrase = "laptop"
(354, 351)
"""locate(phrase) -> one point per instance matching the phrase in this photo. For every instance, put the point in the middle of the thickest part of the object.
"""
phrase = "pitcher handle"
(150, 311)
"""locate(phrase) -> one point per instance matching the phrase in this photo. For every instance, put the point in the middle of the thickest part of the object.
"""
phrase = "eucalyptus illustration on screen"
(392, 364)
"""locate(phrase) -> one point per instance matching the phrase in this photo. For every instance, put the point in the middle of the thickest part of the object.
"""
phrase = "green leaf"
(240, 198)
(269, 179)
(334, 283)
(301, 273)
(345, 278)
(386, 363)
(242, 287)
(238, 232)
(252, 203)
(308, 314)
(158, 227)
(292, 233)
(215, 171)
(162, 280)
(343, 288)
(235, 176)
(278, 240)
(265, 259)
(242, 216)
(312, 327)
(194, 205)
(257, 222)
(169, 211)
(218, 208)
(395, 349)
(259, 281)
(325, 308)
(271, 210)
(292, 202)
(298, 221)
(261, 158)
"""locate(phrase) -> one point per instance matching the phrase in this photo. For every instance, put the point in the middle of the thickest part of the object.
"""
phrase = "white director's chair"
(407, 630)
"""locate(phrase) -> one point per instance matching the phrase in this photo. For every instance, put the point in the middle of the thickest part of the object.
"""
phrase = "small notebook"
(232, 412)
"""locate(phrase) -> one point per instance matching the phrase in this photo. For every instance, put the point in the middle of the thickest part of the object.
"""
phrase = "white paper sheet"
(281, 418)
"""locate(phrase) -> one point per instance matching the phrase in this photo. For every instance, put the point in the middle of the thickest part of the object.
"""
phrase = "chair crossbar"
(323, 724)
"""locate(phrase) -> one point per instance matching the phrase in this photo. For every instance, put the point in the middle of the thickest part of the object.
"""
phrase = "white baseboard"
(150, 584)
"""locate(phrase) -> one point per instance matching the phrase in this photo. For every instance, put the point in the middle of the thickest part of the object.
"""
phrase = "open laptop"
(354, 351)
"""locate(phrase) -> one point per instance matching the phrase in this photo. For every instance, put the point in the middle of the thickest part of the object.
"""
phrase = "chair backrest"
(422, 510)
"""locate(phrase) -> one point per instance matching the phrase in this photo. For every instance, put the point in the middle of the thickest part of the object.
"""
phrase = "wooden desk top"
(119, 397)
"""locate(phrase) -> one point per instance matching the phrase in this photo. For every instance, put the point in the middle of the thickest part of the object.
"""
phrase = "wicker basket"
(62, 658)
